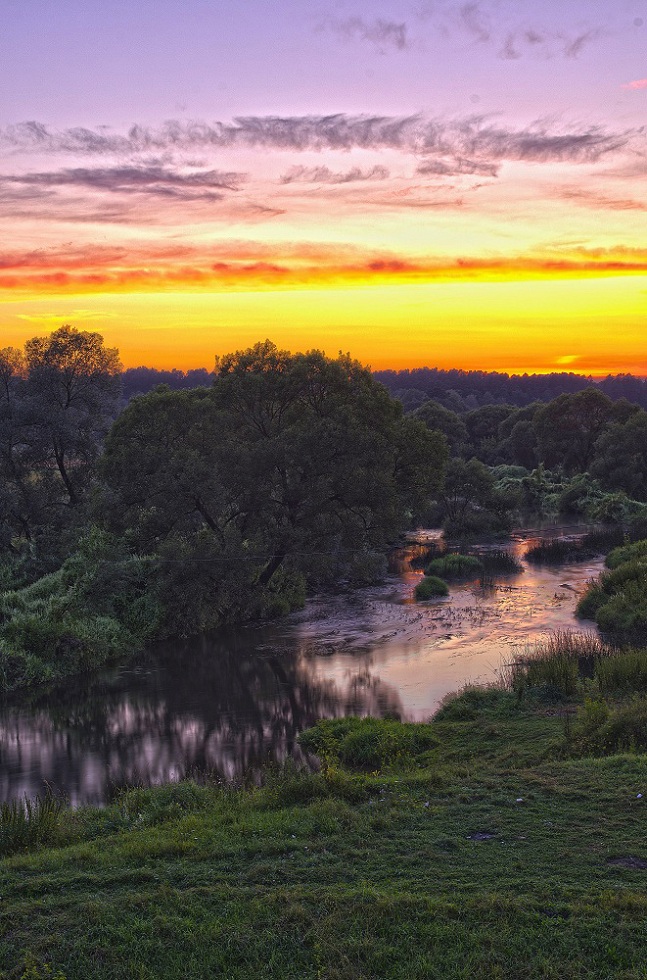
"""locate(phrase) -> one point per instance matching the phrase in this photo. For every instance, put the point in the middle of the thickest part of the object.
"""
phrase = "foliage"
(499, 561)
(291, 468)
(556, 551)
(618, 599)
(28, 823)
(624, 671)
(99, 605)
(431, 587)
(57, 400)
(555, 665)
(601, 730)
(367, 743)
(455, 566)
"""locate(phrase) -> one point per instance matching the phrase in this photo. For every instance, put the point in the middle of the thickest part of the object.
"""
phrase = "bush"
(431, 587)
(453, 566)
(600, 731)
(629, 552)
(367, 743)
(593, 598)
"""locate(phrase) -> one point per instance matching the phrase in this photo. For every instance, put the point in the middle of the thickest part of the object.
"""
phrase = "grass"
(27, 823)
(490, 843)
(455, 567)
(498, 561)
(557, 551)
(430, 587)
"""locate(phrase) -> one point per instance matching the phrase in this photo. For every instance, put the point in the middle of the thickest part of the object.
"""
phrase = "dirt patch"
(628, 862)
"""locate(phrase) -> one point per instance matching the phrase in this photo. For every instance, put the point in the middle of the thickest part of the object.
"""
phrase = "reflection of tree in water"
(217, 704)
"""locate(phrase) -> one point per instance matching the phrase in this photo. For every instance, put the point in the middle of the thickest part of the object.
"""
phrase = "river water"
(230, 702)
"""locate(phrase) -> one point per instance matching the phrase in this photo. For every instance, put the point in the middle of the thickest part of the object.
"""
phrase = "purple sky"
(243, 145)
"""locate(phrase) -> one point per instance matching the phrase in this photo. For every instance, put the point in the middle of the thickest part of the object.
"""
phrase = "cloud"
(470, 138)
(473, 18)
(598, 201)
(75, 315)
(323, 175)
(381, 33)
(457, 167)
(154, 181)
(636, 86)
(545, 44)
(235, 265)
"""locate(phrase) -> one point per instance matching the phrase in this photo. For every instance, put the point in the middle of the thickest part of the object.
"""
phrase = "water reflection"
(211, 704)
(230, 702)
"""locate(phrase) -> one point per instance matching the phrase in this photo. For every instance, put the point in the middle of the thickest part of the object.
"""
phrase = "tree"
(621, 456)
(56, 404)
(441, 419)
(73, 387)
(288, 464)
(569, 426)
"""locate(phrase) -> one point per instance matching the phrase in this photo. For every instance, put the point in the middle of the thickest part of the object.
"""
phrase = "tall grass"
(555, 552)
(455, 566)
(500, 562)
(28, 823)
(556, 664)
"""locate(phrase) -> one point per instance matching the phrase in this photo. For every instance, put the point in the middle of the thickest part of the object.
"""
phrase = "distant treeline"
(460, 391)
(140, 380)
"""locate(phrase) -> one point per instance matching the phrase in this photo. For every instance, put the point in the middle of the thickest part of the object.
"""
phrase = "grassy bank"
(488, 844)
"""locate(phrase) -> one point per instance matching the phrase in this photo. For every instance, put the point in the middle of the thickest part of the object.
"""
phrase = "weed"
(28, 823)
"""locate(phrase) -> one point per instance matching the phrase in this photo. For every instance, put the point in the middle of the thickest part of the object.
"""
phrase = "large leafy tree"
(568, 428)
(57, 401)
(289, 463)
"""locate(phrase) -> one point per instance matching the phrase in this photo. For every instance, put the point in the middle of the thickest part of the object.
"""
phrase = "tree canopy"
(290, 464)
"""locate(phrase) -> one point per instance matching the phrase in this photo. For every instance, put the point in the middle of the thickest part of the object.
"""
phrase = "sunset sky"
(450, 184)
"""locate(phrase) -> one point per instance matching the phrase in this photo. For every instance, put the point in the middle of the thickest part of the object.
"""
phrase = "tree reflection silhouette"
(224, 704)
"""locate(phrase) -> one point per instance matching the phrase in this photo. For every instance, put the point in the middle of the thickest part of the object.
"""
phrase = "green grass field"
(481, 848)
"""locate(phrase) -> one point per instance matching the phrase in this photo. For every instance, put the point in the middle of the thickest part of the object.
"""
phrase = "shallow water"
(229, 702)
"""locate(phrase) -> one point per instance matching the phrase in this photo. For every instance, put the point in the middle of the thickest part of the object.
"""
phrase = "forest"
(195, 505)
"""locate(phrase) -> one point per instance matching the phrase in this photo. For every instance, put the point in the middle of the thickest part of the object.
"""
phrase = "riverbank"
(480, 845)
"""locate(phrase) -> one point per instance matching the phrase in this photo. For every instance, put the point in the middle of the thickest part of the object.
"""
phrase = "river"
(229, 702)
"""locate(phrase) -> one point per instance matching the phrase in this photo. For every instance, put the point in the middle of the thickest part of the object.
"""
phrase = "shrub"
(593, 598)
(430, 588)
(455, 566)
(626, 553)
(599, 730)
(367, 743)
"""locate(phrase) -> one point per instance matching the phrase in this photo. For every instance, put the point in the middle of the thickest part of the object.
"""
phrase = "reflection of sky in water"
(230, 702)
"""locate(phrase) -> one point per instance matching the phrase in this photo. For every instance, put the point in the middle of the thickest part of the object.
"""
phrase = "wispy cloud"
(636, 86)
(323, 175)
(599, 201)
(457, 167)
(381, 33)
(545, 43)
(142, 179)
(472, 137)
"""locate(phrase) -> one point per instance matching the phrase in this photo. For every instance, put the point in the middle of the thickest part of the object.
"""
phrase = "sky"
(418, 183)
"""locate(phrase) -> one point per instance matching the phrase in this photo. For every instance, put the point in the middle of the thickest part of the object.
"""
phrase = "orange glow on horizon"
(590, 326)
